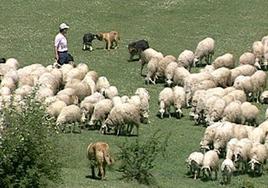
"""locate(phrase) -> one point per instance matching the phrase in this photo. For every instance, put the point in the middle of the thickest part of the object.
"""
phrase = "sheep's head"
(255, 166)
(169, 82)
(206, 171)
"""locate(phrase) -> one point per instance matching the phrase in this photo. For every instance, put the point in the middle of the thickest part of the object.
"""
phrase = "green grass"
(28, 28)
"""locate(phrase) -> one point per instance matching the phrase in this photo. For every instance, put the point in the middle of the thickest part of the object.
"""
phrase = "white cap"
(64, 26)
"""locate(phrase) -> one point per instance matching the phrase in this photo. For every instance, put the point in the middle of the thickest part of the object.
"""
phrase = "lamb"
(125, 114)
(180, 73)
(258, 156)
(222, 76)
(194, 163)
(210, 164)
(99, 155)
(249, 113)
(257, 49)
(249, 58)
(69, 114)
(170, 69)
(102, 84)
(147, 55)
(241, 153)
(186, 59)
(227, 60)
(227, 169)
(205, 48)
(179, 100)
(165, 101)
(101, 111)
(55, 108)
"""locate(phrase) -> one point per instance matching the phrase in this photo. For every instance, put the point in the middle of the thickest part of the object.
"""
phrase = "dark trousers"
(63, 58)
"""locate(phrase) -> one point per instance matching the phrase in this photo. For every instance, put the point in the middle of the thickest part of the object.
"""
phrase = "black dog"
(87, 41)
(2, 60)
(135, 48)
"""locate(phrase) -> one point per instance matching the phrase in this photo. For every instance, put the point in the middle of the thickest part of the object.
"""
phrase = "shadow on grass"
(92, 177)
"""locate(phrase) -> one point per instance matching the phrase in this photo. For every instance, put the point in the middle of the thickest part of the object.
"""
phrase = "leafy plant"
(28, 147)
(138, 158)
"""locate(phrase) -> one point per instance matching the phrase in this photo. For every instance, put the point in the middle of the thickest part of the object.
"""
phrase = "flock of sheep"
(74, 95)
(219, 96)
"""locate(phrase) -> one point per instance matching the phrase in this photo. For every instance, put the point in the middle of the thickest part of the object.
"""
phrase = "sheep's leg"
(142, 65)
(109, 45)
(101, 170)
(216, 175)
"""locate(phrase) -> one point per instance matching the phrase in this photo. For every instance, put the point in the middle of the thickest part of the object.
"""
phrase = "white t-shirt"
(61, 42)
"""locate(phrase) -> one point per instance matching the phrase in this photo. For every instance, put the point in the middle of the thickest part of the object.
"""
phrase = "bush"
(138, 159)
(28, 146)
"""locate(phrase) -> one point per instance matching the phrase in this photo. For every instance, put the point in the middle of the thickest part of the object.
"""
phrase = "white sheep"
(69, 114)
(257, 49)
(264, 97)
(162, 65)
(110, 92)
(257, 135)
(170, 69)
(179, 100)
(232, 112)
(215, 111)
(186, 59)
(258, 156)
(245, 83)
(101, 84)
(55, 108)
(248, 58)
(208, 68)
(121, 115)
(264, 127)
(194, 163)
(152, 67)
(241, 153)
(242, 70)
(227, 60)
(210, 164)
(147, 55)
(165, 101)
(180, 73)
(258, 80)
(227, 169)
(222, 76)
(249, 114)
(101, 111)
(82, 89)
(205, 48)
(230, 148)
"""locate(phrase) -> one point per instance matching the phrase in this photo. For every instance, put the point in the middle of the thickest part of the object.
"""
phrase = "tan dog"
(110, 38)
(99, 156)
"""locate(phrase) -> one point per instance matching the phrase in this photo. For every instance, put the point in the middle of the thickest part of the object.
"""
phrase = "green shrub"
(28, 147)
(137, 159)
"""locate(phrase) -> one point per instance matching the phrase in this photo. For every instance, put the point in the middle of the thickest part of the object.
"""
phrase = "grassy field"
(28, 28)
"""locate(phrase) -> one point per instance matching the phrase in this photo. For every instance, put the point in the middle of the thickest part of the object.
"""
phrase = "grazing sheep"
(55, 108)
(227, 169)
(186, 59)
(121, 115)
(165, 101)
(69, 114)
(241, 153)
(81, 88)
(170, 69)
(248, 58)
(99, 155)
(101, 84)
(242, 70)
(258, 80)
(249, 114)
(222, 76)
(264, 127)
(101, 111)
(208, 68)
(12, 63)
(110, 92)
(162, 65)
(147, 55)
(227, 60)
(257, 49)
(258, 156)
(67, 95)
(194, 163)
(142, 92)
(257, 135)
(152, 67)
(180, 73)
(244, 83)
(4, 91)
(215, 111)
(230, 148)
(179, 100)
(205, 48)
(232, 112)
(210, 164)
(264, 97)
